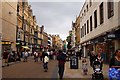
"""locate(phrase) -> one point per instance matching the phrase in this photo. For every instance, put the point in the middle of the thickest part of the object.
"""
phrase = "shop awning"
(26, 47)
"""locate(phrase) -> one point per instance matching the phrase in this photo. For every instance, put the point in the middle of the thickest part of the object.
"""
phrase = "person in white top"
(45, 64)
(36, 56)
(25, 56)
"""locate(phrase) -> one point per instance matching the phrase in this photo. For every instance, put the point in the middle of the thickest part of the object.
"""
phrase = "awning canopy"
(26, 47)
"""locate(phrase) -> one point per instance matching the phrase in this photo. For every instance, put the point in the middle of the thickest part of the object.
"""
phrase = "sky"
(56, 16)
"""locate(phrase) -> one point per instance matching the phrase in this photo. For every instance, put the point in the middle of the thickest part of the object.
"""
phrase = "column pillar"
(84, 51)
(117, 44)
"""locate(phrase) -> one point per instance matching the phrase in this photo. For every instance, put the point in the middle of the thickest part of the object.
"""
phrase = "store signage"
(111, 36)
(6, 42)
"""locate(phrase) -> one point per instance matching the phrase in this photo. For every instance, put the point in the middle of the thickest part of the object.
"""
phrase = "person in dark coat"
(115, 60)
(5, 57)
(61, 63)
(92, 58)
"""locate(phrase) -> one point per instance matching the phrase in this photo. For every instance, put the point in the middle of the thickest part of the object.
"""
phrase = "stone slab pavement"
(77, 73)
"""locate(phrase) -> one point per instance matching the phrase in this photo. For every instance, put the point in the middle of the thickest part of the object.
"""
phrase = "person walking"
(40, 55)
(36, 56)
(115, 60)
(61, 63)
(5, 57)
(114, 66)
(92, 58)
(25, 56)
(45, 64)
(84, 66)
(100, 59)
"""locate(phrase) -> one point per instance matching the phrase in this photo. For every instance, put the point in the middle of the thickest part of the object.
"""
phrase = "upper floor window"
(85, 29)
(101, 13)
(95, 18)
(110, 8)
(81, 32)
(82, 15)
(87, 26)
(90, 3)
(84, 12)
(87, 8)
(90, 23)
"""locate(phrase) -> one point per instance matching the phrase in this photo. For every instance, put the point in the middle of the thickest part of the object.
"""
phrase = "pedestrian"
(114, 71)
(5, 58)
(100, 59)
(16, 56)
(92, 57)
(25, 56)
(115, 60)
(61, 63)
(45, 64)
(40, 55)
(84, 66)
(36, 56)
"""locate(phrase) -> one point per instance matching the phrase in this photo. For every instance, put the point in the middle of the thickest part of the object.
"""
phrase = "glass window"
(110, 8)
(91, 23)
(95, 18)
(101, 13)
(87, 26)
(85, 29)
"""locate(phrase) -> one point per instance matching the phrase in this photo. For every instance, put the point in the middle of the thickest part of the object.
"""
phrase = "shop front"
(6, 45)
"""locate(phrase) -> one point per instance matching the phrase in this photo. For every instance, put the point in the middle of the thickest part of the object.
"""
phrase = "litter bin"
(73, 62)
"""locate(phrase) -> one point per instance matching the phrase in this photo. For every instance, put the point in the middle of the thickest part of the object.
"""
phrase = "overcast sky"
(57, 17)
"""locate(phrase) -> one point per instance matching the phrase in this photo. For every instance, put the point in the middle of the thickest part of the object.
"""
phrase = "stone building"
(9, 23)
(100, 27)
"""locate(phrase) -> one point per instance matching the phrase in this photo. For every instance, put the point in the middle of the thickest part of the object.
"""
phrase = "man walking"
(5, 57)
(61, 63)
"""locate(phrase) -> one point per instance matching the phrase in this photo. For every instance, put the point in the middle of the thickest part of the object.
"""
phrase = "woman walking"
(45, 64)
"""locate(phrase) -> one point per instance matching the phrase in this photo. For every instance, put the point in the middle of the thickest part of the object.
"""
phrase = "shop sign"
(111, 36)
(6, 42)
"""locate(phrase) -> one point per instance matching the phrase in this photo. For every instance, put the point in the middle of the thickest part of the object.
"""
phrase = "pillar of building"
(117, 44)
(94, 48)
(84, 51)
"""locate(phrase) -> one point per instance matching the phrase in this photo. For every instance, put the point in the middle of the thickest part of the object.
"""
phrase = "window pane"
(110, 9)
(95, 18)
(101, 13)
(91, 23)
(87, 26)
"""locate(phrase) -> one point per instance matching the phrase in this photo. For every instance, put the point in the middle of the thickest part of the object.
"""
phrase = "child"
(84, 66)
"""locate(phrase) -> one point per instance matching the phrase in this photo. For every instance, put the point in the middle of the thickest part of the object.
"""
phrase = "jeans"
(45, 65)
(61, 70)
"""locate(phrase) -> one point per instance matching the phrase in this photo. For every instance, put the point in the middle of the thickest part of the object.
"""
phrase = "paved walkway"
(77, 73)
(31, 69)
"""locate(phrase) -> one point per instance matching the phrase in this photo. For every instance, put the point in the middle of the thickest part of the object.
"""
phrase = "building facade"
(50, 41)
(31, 30)
(0, 28)
(57, 42)
(100, 27)
(9, 22)
(77, 31)
(45, 40)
